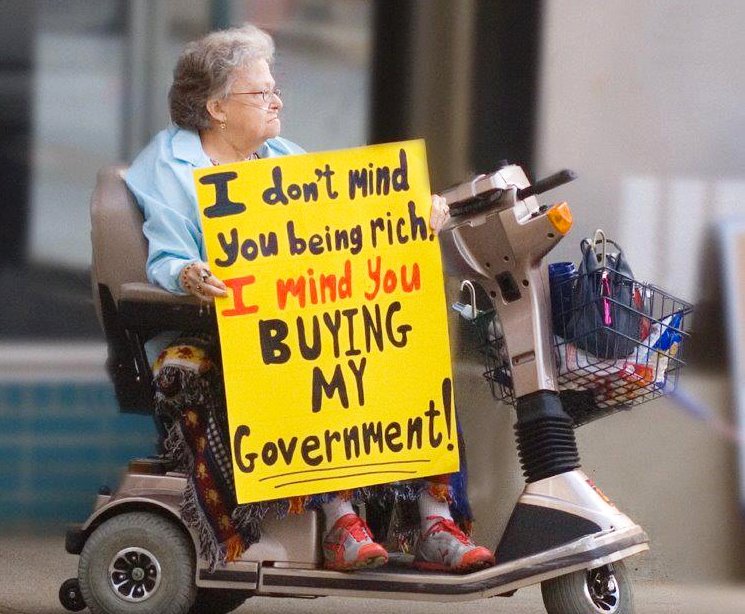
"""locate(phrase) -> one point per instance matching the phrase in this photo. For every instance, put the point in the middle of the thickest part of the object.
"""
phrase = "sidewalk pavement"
(32, 569)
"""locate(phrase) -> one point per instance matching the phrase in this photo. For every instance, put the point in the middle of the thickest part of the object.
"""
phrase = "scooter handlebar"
(549, 183)
(481, 202)
(489, 192)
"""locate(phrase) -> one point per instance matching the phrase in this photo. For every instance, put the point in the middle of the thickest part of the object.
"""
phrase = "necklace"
(241, 156)
(251, 156)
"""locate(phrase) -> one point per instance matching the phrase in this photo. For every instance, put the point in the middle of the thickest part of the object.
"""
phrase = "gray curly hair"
(206, 71)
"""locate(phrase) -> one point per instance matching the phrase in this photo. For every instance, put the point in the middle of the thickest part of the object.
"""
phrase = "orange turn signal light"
(560, 216)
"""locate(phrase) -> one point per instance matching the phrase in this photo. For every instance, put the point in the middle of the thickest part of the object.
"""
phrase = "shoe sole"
(369, 563)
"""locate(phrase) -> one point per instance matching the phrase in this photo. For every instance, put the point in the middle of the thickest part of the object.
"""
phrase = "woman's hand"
(197, 279)
(440, 213)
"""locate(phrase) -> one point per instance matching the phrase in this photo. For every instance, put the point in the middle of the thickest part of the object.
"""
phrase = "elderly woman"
(225, 108)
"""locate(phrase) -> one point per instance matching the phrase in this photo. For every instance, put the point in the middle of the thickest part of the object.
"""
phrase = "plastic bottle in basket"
(560, 275)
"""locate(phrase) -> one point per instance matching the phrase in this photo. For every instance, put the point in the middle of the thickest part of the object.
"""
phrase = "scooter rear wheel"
(604, 590)
(138, 563)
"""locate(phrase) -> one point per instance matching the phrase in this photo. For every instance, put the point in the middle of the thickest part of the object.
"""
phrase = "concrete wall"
(671, 474)
(644, 101)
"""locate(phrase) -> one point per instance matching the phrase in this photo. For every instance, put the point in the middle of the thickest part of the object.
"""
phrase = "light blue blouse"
(161, 180)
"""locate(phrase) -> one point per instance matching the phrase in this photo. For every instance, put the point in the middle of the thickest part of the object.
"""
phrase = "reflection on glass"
(323, 66)
(99, 92)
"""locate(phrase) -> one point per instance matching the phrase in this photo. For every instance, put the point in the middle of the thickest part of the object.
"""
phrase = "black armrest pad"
(147, 309)
(148, 293)
(149, 317)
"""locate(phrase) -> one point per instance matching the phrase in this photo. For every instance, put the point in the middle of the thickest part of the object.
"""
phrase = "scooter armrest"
(145, 308)
(140, 292)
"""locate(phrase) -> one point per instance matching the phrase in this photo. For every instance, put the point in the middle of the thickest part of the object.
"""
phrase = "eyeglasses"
(266, 95)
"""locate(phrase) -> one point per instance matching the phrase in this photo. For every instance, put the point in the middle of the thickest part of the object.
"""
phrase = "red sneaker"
(349, 545)
(444, 547)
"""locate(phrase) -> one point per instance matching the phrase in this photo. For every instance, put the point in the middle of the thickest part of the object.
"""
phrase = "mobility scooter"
(138, 556)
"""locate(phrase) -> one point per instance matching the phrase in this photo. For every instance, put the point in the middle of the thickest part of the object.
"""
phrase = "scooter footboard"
(403, 583)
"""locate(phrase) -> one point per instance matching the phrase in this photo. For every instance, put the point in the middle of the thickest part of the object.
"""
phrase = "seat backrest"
(130, 310)
(119, 246)
(119, 257)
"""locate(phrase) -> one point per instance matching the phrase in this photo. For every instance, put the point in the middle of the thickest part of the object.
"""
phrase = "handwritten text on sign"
(334, 335)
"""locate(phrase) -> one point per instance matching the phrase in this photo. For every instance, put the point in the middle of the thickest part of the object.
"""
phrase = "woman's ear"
(216, 110)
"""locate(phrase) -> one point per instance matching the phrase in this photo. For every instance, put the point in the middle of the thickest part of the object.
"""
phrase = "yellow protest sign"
(334, 334)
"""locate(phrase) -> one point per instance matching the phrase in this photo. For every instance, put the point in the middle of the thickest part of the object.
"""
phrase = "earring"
(223, 126)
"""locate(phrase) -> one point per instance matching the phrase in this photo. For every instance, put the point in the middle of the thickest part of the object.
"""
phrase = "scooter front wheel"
(604, 590)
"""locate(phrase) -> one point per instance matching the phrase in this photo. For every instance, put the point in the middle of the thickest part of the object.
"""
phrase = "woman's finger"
(216, 281)
(211, 280)
(440, 213)
(202, 283)
(215, 287)
(206, 292)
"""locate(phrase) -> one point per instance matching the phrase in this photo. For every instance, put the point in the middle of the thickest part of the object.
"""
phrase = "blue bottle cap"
(561, 269)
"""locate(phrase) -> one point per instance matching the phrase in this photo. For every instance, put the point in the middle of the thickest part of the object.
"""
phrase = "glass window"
(323, 64)
(77, 100)
(90, 81)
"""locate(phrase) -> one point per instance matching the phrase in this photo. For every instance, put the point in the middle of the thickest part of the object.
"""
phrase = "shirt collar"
(187, 146)
(263, 150)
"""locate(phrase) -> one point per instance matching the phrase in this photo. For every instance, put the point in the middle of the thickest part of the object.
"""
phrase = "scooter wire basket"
(496, 360)
(610, 355)
(619, 348)
(489, 339)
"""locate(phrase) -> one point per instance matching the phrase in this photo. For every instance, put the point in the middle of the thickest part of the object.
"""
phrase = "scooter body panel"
(287, 560)
(504, 249)
(556, 511)
(575, 493)
(293, 540)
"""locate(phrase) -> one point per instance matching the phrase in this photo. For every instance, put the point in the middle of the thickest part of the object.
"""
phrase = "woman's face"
(249, 119)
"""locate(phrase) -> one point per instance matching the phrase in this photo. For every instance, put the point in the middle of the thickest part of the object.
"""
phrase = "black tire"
(217, 601)
(138, 563)
(605, 590)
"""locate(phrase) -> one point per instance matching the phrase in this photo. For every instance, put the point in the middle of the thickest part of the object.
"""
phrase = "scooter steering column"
(501, 235)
